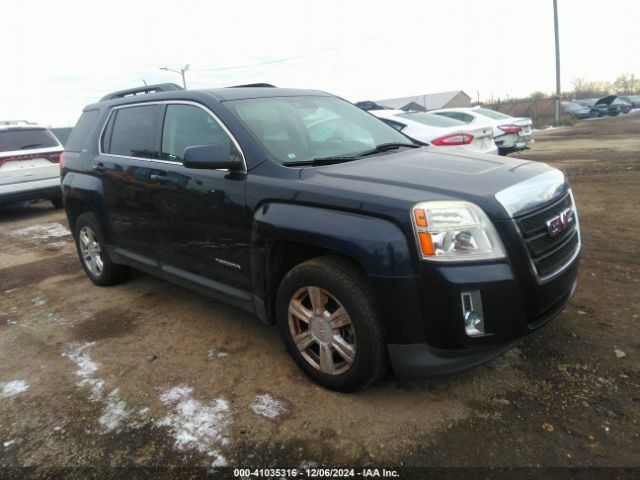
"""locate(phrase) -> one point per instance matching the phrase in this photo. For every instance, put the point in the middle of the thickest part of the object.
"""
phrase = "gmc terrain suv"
(29, 157)
(303, 209)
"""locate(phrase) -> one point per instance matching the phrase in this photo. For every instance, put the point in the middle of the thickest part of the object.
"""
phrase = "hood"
(426, 174)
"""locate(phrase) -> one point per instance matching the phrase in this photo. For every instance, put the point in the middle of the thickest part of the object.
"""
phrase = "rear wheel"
(330, 325)
(93, 253)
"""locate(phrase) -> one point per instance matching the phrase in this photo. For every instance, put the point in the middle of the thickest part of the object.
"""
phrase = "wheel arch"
(286, 235)
(82, 193)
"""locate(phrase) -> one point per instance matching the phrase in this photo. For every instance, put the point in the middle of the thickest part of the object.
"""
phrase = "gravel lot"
(150, 374)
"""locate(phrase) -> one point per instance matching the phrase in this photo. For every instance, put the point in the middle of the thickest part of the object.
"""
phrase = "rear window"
(26, 139)
(131, 132)
(431, 119)
(492, 114)
(81, 130)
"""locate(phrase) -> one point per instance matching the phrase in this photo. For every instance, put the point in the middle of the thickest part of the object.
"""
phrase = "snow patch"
(13, 388)
(43, 231)
(267, 406)
(216, 353)
(86, 369)
(8, 443)
(114, 412)
(196, 425)
(38, 300)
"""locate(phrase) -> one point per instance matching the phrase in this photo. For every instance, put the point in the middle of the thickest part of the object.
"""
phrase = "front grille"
(549, 254)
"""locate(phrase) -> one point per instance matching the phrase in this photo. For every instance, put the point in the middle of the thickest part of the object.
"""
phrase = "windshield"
(492, 114)
(26, 139)
(301, 129)
(431, 119)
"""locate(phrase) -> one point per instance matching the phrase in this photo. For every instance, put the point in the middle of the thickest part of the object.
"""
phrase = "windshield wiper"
(322, 161)
(31, 145)
(383, 147)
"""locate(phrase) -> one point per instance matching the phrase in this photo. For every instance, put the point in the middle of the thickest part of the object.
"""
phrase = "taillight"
(451, 140)
(61, 160)
(510, 128)
(52, 157)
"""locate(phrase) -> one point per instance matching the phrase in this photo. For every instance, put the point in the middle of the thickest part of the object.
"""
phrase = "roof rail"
(254, 85)
(16, 122)
(160, 87)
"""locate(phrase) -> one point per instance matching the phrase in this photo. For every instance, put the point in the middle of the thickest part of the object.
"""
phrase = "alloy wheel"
(322, 330)
(91, 251)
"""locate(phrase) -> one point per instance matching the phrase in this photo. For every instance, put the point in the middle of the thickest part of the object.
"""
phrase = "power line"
(287, 59)
(268, 62)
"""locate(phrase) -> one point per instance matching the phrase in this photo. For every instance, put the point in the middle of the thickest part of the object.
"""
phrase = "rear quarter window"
(82, 129)
(26, 139)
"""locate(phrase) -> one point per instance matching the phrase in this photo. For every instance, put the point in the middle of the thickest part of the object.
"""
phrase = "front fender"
(378, 245)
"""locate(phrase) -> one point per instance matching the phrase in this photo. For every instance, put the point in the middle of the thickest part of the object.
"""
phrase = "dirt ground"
(150, 374)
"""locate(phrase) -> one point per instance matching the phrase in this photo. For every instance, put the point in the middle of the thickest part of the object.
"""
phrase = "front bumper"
(423, 360)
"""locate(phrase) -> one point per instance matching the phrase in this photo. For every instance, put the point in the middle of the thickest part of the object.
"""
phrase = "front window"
(187, 126)
(301, 129)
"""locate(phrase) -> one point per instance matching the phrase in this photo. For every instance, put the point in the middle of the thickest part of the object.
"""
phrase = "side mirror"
(211, 157)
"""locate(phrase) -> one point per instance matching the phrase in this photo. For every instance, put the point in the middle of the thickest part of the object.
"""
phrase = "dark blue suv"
(364, 247)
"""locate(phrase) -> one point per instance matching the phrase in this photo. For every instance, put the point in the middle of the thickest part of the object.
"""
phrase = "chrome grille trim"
(562, 241)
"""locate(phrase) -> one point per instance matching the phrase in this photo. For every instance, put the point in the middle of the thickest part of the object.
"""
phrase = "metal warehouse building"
(429, 101)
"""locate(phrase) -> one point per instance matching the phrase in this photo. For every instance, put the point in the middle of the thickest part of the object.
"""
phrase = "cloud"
(74, 52)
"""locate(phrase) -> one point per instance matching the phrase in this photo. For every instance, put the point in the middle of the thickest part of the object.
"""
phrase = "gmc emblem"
(560, 222)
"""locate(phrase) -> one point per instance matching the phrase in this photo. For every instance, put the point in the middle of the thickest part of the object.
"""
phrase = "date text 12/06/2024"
(315, 473)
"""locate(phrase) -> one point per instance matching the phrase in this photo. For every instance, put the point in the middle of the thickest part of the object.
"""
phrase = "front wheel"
(330, 324)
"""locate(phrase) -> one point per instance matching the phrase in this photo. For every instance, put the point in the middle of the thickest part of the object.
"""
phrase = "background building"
(429, 101)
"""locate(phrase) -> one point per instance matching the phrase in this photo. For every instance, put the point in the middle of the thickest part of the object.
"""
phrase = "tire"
(93, 254)
(338, 355)
(57, 203)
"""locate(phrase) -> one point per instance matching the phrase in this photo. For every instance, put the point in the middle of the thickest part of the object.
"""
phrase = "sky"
(58, 56)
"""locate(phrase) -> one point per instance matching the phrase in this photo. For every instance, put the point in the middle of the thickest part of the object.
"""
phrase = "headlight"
(454, 231)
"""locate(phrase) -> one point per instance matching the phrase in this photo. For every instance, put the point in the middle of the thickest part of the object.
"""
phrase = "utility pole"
(558, 88)
(182, 71)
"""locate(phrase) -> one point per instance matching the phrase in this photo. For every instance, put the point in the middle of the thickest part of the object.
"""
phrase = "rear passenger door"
(202, 232)
(129, 147)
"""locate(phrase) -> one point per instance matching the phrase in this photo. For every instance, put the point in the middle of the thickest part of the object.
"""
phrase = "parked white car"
(510, 133)
(29, 163)
(440, 131)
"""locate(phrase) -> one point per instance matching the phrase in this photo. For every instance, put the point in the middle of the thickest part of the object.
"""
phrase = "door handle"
(160, 178)
(99, 168)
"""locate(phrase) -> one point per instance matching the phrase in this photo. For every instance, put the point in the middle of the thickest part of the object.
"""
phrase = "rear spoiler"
(160, 87)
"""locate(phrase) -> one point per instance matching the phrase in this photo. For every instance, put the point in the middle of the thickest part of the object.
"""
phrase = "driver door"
(202, 235)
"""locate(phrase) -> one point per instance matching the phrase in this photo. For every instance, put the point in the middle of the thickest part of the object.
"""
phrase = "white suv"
(29, 163)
